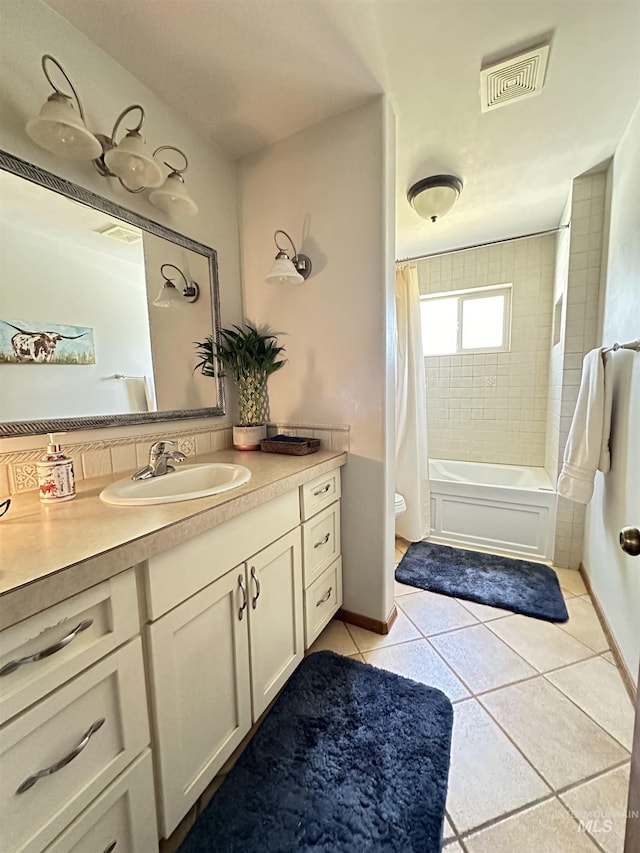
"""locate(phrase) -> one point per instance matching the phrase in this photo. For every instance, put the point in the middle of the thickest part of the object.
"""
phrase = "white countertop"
(49, 552)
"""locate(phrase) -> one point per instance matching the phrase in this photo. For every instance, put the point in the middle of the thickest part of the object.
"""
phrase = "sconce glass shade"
(433, 197)
(168, 296)
(132, 162)
(174, 197)
(283, 272)
(60, 129)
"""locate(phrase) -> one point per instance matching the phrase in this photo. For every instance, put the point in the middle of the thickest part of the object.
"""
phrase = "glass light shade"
(131, 161)
(283, 272)
(60, 129)
(434, 202)
(167, 297)
(174, 197)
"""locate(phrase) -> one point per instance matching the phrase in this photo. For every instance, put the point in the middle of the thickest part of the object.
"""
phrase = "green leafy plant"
(248, 356)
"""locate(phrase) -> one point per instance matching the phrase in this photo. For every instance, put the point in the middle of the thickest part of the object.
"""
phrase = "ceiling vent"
(513, 79)
(124, 233)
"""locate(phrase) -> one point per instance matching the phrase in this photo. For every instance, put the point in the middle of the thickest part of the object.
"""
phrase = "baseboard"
(376, 625)
(613, 645)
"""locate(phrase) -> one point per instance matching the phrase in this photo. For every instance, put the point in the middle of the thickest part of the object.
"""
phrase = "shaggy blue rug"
(350, 759)
(527, 588)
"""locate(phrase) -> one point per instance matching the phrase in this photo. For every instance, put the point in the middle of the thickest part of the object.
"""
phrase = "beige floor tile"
(358, 657)
(403, 588)
(546, 828)
(434, 613)
(603, 801)
(488, 775)
(561, 742)
(481, 660)
(540, 643)
(453, 847)
(417, 660)
(401, 631)
(609, 656)
(584, 625)
(402, 545)
(571, 580)
(483, 612)
(449, 832)
(596, 687)
(335, 638)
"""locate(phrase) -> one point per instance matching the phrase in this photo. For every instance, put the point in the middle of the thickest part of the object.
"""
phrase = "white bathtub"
(504, 508)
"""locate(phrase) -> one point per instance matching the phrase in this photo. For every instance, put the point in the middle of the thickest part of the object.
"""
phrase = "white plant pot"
(248, 437)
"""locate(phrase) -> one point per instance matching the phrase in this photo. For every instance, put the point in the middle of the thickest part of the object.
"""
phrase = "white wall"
(504, 422)
(30, 29)
(615, 576)
(331, 187)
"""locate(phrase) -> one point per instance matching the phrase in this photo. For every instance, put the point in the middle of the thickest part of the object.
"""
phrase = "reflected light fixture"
(287, 270)
(61, 129)
(433, 197)
(169, 294)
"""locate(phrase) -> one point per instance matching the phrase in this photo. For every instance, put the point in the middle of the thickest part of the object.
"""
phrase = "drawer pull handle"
(254, 600)
(322, 490)
(50, 650)
(75, 752)
(323, 541)
(325, 597)
(110, 847)
(243, 590)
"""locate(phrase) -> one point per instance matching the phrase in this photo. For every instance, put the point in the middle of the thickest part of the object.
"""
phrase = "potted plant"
(248, 356)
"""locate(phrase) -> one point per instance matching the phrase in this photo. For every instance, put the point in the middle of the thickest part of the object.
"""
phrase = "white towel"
(150, 393)
(588, 443)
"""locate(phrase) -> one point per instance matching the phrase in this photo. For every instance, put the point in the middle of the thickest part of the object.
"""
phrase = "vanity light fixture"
(61, 129)
(287, 270)
(169, 294)
(433, 197)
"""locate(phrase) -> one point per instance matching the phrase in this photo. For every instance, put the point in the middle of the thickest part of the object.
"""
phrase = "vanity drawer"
(123, 815)
(320, 542)
(183, 570)
(322, 600)
(66, 725)
(42, 652)
(319, 493)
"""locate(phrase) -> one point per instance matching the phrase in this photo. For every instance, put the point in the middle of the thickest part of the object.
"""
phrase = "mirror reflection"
(80, 335)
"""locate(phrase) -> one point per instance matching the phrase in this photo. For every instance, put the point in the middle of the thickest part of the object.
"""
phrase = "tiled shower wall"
(493, 407)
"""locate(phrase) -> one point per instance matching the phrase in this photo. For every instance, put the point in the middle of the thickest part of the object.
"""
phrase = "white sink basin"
(183, 484)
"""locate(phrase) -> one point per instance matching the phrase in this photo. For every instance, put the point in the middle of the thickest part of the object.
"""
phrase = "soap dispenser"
(55, 474)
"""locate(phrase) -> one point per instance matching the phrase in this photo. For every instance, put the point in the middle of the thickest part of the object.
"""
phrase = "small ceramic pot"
(248, 437)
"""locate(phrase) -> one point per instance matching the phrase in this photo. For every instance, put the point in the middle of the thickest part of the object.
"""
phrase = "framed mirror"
(98, 320)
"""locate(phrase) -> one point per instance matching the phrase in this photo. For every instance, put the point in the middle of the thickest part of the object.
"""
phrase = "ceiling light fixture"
(287, 270)
(433, 197)
(169, 294)
(61, 129)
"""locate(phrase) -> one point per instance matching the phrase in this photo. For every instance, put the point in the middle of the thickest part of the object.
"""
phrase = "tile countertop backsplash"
(104, 456)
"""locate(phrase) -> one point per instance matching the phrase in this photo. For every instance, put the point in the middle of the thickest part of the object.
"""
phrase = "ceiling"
(251, 72)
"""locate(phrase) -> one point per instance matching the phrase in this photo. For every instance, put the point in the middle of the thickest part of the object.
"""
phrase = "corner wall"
(331, 187)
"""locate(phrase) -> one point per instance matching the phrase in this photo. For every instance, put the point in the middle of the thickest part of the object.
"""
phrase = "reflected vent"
(124, 233)
(514, 79)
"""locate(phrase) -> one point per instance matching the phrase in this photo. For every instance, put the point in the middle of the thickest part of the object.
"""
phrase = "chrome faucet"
(159, 458)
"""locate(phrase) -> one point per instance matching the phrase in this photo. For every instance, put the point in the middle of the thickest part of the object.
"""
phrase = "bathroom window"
(466, 321)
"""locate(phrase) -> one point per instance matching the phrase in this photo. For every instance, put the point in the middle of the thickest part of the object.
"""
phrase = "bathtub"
(508, 509)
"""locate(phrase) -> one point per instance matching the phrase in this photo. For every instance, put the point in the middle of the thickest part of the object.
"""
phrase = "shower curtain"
(412, 464)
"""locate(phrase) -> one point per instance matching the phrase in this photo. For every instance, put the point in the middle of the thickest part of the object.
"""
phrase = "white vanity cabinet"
(219, 658)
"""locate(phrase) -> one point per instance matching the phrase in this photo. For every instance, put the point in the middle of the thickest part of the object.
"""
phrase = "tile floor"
(542, 721)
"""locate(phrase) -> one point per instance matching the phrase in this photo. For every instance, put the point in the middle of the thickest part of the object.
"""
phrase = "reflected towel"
(587, 447)
(150, 393)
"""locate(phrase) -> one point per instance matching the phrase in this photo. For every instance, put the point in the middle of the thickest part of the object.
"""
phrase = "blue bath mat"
(517, 585)
(349, 759)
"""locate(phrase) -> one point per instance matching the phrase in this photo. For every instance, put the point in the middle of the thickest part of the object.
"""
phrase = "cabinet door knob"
(254, 600)
(50, 650)
(30, 781)
(243, 590)
(630, 540)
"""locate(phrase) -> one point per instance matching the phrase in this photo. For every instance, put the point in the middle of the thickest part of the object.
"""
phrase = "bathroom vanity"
(139, 645)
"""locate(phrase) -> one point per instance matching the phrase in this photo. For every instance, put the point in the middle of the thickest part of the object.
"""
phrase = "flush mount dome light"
(432, 197)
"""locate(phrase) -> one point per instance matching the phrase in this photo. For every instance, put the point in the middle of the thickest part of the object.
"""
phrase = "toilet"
(400, 505)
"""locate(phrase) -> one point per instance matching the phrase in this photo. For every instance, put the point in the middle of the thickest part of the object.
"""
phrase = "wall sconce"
(60, 129)
(432, 197)
(169, 294)
(287, 270)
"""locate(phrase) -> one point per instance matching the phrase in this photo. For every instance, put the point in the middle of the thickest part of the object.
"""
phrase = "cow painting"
(39, 347)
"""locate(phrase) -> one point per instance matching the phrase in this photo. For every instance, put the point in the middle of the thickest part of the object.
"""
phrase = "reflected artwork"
(27, 342)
